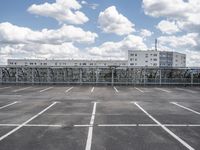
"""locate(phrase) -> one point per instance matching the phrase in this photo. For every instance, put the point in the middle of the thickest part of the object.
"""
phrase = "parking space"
(99, 117)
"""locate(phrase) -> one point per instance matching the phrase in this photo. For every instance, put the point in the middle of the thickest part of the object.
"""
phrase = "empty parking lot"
(99, 118)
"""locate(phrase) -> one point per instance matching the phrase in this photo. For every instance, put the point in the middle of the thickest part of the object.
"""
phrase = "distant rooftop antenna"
(156, 44)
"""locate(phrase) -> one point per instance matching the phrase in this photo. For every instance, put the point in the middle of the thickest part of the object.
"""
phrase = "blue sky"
(94, 29)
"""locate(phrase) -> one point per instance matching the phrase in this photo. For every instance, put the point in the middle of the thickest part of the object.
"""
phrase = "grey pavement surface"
(99, 118)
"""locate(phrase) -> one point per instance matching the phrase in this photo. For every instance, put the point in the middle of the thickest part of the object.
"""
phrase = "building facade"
(143, 58)
(153, 58)
(62, 63)
(136, 58)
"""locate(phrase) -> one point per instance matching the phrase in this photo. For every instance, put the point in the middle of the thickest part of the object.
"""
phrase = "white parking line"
(69, 89)
(90, 131)
(187, 90)
(26, 122)
(116, 89)
(139, 90)
(165, 128)
(82, 125)
(32, 125)
(196, 112)
(164, 90)
(45, 89)
(102, 125)
(8, 105)
(22, 89)
(5, 88)
(92, 90)
(117, 125)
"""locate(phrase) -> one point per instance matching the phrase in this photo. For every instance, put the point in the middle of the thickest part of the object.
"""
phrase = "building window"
(155, 59)
(135, 59)
(135, 54)
(155, 55)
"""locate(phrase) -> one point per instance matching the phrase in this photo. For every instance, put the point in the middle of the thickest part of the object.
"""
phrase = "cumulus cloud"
(111, 21)
(13, 34)
(183, 16)
(185, 12)
(168, 27)
(118, 50)
(66, 11)
(22, 42)
(145, 33)
(188, 40)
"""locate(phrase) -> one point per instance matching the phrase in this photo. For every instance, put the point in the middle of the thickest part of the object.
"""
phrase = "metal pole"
(80, 76)
(48, 75)
(112, 82)
(17, 75)
(144, 76)
(32, 75)
(192, 78)
(160, 73)
(1, 75)
(97, 75)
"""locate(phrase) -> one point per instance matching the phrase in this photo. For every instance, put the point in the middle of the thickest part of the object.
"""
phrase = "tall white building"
(156, 58)
(143, 58)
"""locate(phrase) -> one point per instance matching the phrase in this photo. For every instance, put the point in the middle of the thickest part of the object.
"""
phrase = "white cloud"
(84, 2)
(188, 40)
(22, 42)
(39, 51)
(118, 50)
(145, 33)
(67, 33)
(193, 58)
(111, 21)
(186, 12)
(168, 27)
(62, 10)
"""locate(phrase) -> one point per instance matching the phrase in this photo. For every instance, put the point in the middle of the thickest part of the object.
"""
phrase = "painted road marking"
(196, 112)
(187, 90)
(8, 105)
(46, 89)
(22, 89)
(5, 88)
(102, 125)
(92, 89)
(164, 90)
(90, 131)
(139, 90)
(33, 125)
(116, 89)
(26, 122)
(69, 89)
(165, 128)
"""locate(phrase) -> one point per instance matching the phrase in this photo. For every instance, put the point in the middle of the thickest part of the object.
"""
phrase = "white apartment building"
(143, 58)
(152, 58)
(61, 63)
(136, 58)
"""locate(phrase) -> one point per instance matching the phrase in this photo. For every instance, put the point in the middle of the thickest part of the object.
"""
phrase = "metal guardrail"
(99, 75)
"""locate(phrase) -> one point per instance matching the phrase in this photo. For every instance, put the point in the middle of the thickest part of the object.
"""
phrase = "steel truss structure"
(99, 75)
